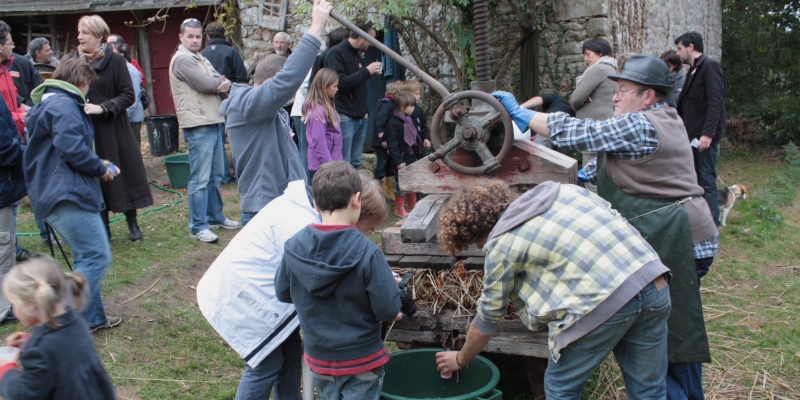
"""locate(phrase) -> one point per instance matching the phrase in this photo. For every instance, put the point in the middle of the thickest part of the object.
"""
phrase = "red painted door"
(163, 40)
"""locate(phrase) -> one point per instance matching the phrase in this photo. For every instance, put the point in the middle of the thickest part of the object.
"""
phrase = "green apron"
(667, 230)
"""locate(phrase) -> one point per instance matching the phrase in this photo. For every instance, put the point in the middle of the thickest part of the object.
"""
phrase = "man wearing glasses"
(645, 170)
(196, 87)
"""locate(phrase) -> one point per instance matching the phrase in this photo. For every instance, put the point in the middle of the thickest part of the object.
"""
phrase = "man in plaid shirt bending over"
(571, 264)
(645, 169)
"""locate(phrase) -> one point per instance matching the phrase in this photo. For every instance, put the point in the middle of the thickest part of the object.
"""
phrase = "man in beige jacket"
(195, 89)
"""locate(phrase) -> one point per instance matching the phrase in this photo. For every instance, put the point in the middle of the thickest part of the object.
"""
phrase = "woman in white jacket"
(237, 293)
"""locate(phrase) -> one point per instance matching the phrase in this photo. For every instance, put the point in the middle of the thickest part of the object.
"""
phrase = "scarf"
(603, 60)
(410, 135)
(96, 55)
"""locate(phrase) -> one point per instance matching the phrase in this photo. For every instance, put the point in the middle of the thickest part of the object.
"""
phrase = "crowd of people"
(614, 267)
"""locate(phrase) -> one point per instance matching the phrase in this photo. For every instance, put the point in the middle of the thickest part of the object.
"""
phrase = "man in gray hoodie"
(258, 127)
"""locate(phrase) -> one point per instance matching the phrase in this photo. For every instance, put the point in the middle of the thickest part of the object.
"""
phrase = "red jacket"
(10, 95)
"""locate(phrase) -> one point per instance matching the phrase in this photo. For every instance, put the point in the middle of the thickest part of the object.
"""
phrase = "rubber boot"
(399, 206)
(134, 233)
(411, 201)
(104, 216)
(388, 187)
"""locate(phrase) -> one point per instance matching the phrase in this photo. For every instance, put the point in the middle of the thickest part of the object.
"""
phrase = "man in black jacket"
(351, 99)
(701, 104)
(225, 59)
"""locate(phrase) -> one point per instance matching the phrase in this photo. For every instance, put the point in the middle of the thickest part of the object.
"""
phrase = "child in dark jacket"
(405, 147)
(58, 357)
(342, 288)
(384, 169)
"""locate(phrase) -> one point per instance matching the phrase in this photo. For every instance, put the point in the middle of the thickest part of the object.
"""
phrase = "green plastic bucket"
(412, 374)
(177, 169)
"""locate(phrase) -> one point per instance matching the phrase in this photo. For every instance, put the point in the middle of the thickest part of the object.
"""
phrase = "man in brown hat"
(645, 170)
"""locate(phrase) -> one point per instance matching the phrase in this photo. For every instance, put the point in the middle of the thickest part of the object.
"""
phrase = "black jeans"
(705, 164)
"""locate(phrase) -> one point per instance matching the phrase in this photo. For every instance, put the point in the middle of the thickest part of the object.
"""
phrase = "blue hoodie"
(342, 287)
(59, 162)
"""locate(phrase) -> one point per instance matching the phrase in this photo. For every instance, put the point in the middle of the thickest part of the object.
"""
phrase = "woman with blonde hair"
(58, 357)
(323, 132)
(107, 102)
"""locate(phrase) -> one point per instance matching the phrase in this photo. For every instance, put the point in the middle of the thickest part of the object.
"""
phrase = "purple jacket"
(324, 139)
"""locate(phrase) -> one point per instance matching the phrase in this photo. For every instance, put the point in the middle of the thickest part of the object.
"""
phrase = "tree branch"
(446, 50)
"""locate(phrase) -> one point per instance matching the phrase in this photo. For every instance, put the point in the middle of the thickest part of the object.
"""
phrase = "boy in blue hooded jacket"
(342, 288)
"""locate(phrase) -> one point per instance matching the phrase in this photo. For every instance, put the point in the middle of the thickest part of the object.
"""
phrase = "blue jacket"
(342, 287)
(59, 162)
(60, 364)
(12, 183)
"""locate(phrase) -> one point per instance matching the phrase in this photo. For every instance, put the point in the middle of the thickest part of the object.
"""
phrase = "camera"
(407, 305)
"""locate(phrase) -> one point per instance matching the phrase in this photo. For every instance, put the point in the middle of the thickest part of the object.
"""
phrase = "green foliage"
(761, 43)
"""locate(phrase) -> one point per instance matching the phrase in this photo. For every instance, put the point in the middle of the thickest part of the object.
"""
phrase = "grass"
(165, 349)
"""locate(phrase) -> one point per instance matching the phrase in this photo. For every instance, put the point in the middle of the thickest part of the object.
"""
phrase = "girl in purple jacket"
(323, 132)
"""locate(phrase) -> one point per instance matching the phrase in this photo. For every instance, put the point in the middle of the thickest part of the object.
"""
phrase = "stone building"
(524, 60)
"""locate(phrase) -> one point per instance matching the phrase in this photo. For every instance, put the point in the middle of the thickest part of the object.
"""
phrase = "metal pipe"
(433, 83)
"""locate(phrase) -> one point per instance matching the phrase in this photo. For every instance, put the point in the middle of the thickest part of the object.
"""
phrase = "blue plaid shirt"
(629, 136)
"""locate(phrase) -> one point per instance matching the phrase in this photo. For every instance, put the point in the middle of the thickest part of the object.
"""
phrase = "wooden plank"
(441, 262)
(541, 164)
(521, 344)
(414, 261)
(448, 320)
(474, 263)
(393, 259)
(392, 243)
(422, 223)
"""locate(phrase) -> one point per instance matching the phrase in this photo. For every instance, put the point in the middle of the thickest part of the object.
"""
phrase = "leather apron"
(667, 230)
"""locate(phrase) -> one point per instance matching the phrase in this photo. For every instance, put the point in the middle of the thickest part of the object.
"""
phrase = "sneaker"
(111, 322)
(206, 236)
(227, 224)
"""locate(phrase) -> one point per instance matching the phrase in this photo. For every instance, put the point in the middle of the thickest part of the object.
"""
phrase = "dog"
(727, 197)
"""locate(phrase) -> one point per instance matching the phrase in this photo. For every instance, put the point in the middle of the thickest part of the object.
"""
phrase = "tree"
(761, 46)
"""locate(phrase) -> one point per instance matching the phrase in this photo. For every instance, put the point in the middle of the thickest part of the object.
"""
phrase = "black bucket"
(162, 133)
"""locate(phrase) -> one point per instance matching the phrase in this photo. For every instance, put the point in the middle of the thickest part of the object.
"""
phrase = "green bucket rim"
(171, 159)
(486, 389)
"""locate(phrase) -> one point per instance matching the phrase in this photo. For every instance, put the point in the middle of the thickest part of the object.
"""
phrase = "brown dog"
(727, 197)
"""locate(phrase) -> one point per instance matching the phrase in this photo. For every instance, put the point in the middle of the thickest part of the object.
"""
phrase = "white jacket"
(237, 293)
(300, 97)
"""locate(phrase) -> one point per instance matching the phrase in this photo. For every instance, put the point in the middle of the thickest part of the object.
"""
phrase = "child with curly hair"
(570, 264)
(58, 360)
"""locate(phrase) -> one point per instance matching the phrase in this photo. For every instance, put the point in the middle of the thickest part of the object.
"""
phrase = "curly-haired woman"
(570, 264)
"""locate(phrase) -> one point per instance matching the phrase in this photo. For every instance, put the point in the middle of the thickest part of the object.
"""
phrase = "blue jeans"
(637, 334)
(246, 217)
(227, 177)
(300, 131)
(205, 175)
(363, 386)
(354, 132)
(705, 164)
(84, 233)
(281, 368)
(685, 381)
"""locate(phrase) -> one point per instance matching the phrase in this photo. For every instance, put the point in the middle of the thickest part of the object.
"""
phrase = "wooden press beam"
(422, 222)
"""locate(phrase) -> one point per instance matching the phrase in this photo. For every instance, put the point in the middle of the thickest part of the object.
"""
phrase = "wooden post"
(144, 61)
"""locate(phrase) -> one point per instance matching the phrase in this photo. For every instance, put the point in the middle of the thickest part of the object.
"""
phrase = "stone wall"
(645, 26)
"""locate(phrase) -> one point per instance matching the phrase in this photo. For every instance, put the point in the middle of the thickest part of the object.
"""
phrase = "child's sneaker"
(206, 236)
(227, 224)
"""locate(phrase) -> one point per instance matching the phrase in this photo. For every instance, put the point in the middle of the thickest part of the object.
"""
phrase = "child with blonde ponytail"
(58, 357)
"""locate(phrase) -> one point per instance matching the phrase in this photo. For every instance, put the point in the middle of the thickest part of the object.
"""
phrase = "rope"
(677, 203)
(147, 211)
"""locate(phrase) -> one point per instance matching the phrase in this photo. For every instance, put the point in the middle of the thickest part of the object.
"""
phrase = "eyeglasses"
(621, 93)
(188, 20)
